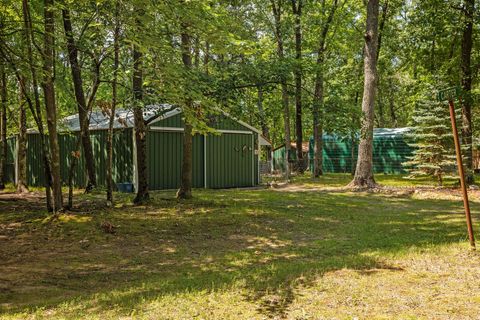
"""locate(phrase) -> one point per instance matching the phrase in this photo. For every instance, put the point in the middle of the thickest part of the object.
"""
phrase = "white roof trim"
(263, 141)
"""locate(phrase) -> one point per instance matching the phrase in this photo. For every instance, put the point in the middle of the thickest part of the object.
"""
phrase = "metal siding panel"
(151, 182)
(222, 122)
(197, 170)
(67, 144)
(122, 156)
(35, 174)
(175, 121)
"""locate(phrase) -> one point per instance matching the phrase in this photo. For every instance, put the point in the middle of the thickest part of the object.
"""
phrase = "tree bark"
(81, 101)
(467, 43)
(383, 19)
(21, 156)
(3, 126)
(185, 190)
(319, 95)
(297, 11)
(37, 111)
(116, 50)
(50, 105)
(140, 128)
(277, 14)
(317, 117)
(364, 172)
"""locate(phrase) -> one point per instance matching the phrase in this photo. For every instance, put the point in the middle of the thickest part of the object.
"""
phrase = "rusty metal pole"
(458, 152)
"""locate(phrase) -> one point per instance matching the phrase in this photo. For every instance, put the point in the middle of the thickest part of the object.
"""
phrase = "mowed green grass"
(319, 253)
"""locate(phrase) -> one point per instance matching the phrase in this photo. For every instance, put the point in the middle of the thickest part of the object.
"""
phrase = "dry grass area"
(313, 250)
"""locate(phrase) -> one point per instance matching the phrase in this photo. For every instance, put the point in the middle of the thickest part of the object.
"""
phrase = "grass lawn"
(310, 251)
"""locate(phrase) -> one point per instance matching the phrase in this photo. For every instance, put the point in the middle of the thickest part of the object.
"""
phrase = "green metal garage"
(391, 148)
(227, 158)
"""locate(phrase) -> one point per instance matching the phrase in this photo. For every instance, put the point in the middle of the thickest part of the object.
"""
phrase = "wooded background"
(293, 68)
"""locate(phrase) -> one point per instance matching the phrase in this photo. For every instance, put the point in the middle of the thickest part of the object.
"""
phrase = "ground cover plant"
(312, 250)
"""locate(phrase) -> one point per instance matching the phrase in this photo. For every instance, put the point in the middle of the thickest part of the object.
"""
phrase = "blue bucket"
(126, 187)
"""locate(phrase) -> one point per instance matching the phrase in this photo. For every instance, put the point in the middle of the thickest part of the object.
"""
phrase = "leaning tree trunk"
(185, 190)
(81, 101)
(116, 50)
(364, 172)
(37, 111)
(467, 43)
(297, 11)
(21, 156)
(50, 105)
(140, 128)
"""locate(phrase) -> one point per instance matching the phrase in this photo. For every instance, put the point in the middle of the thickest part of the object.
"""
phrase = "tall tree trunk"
(297, 11)
(356, 120)
(185, 190)
(3, 126)
(21, 156)
(81, 101)
(319, 94)
(50, 105)
(140, 128)
(364, 172)
(277, 14)
(383, 19)
(467, 43)
(318, 118)
(353, 141)
(37, 111)
(116, 50)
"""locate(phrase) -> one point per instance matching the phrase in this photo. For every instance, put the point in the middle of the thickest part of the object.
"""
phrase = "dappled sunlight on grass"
(226, 254)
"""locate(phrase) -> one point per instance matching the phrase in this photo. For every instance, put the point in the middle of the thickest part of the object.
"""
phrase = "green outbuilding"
(226, 158)
(391, 148)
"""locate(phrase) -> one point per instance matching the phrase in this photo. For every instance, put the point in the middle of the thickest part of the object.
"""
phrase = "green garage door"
(230, 160)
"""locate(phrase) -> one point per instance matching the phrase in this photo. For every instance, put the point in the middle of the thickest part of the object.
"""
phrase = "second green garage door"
(230, 160)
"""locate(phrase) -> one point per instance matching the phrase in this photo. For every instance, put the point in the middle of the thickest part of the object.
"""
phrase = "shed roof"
(99, 120)
(123, 117)
(381, 132)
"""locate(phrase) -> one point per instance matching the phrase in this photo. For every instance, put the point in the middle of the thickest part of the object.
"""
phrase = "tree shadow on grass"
(269, 241)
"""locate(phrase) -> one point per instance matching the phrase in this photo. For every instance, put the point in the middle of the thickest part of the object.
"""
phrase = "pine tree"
(432, 138)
